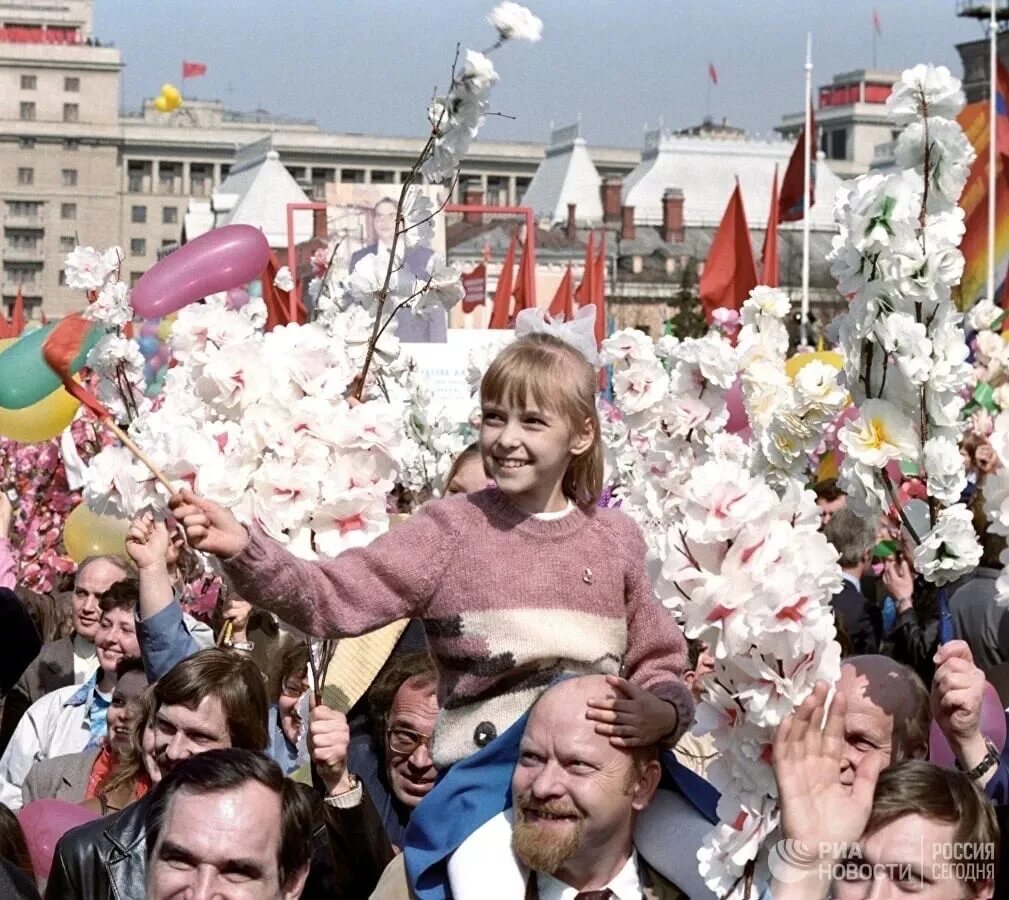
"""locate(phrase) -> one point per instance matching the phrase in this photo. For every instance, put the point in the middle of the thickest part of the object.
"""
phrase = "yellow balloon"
(164, 330)
(87, 534)
(40, 421)
(798, 362)
(161, 104)
(169, 91)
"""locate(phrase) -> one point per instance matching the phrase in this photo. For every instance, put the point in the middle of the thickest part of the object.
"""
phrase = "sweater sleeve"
(656, 649)
(362, 589)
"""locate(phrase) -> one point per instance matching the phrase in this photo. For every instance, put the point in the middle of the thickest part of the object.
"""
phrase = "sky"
(370, 66)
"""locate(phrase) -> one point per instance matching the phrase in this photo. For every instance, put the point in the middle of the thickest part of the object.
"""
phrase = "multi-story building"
(73, 168)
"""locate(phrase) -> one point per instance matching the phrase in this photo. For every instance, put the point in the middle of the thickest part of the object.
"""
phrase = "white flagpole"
(992, 131)
(808, 155)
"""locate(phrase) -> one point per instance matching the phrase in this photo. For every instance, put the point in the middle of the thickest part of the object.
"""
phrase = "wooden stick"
(130, 445)
(224, 638)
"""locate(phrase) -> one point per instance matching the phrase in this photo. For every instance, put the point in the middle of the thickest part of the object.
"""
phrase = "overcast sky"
(370, 65)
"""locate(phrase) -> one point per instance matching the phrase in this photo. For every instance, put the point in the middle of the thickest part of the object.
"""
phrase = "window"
(29, 82)
(26, 143)
(382, 176)
(71, 112)
(837, 144)
(170, 215)
(138, 215)
(28, 112)
(68, 210)
(352, 176)
(26, 176)
(168, 242)
(71, 144)
(71, 84)
(69, 177)
(67, 244)
(63, 278)
(138, 247)
(24, 208)
(198, 185)
(135, 277)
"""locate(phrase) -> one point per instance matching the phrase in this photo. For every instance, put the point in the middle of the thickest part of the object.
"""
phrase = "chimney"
(609, 191)
(572, 229)
(319, 223)
(473, 196)
(627, 223)
(672, 216)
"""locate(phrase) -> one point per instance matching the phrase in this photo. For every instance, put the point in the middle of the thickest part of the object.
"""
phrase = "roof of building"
(257, 191)
(566, 175)
(706, 169)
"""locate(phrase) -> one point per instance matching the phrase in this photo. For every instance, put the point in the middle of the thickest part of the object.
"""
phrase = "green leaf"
(985, 396)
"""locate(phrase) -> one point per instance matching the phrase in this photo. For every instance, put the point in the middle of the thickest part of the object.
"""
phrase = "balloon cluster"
(153, 343)
(168, 99)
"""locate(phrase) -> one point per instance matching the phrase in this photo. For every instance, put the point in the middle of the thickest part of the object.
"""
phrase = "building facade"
(75, 169)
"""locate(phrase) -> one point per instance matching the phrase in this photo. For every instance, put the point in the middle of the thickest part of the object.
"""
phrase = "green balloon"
(25, 376)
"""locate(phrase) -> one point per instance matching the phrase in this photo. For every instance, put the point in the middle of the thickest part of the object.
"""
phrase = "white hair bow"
(580, 332)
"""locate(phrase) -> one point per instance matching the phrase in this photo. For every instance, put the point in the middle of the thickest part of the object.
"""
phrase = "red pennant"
(61, 349)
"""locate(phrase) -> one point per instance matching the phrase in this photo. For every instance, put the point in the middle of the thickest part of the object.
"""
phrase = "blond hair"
(556, 378)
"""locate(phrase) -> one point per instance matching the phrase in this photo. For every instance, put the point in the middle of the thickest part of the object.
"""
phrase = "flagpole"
(804, 308)
(992, 128)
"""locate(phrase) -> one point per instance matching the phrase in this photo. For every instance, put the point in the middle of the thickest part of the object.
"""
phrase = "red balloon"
(44, 822)
(216, 261)
(993, 727)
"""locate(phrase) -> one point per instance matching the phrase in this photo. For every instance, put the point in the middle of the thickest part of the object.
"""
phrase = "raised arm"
(361, 590)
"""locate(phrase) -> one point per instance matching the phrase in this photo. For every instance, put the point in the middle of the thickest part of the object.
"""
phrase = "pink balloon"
(44, 822)
(993, 727)
(149, 329)
(739, 422)
(237, 298)
(220, 259)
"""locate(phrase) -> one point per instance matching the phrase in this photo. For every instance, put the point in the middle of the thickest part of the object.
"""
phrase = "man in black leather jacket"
(212, 700)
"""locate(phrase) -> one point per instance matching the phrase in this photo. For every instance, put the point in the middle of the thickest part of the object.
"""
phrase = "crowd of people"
(527, 731)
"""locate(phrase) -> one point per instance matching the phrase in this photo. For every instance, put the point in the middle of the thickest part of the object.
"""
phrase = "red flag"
(712, 73)
(584, 293)
(18, 316)
(278, 302)
(769, 268)
(61, 348)
(563, 304)
(599, 289)
(5, 328)
(501, 315)
(729, 271)
(523, 283)
(875, 22)
(790, 199)
(474, 283)
(193, 69)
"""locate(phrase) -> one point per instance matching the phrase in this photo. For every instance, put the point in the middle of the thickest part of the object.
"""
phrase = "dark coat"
(853, 612)
(52, 669)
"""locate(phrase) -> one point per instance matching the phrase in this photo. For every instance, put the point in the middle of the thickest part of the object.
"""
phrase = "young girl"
(516, 584)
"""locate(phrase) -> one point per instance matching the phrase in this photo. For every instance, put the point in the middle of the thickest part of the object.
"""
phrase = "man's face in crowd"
(877, 694)
(122, 711)
(411, 723)
(181, 732)
(223, 845)
(829, 507)
(292, 690)
(574, 793)
(385, 222)
(910, 857)
(91, 582)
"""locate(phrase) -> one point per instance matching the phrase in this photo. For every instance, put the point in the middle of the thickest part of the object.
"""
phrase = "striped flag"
(475, 284)
(876, 23)
(712, 73)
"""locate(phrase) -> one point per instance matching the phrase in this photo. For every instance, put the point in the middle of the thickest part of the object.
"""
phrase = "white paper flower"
(86, 269)
(640, 385)
(924, 90)
(514, 22)
(983, 315)
(881, 433)
(284, 280)
(944, 469)
(950, 549)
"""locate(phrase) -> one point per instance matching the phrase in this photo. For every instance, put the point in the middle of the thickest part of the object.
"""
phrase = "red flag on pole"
(563, 304)
(599, 289)
(474, 283)
(193, 69)
(5, 327)
(522, 294)
(712, 73)
(584, 293)
(61, 347)
(501, 314)
(769, 267)
(790, 199)
(876, 23)
(730, 272)
(18, 316)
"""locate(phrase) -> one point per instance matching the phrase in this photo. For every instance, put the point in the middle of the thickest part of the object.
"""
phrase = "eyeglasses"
(293, 687)
(405, 741)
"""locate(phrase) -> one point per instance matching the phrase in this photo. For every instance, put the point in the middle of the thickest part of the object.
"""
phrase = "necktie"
(604, 894)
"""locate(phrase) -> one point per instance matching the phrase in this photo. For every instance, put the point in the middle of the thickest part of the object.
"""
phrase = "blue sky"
(370, 65)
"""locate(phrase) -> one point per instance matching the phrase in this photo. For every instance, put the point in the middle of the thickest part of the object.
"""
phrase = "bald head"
(888, 712)
(576, 796)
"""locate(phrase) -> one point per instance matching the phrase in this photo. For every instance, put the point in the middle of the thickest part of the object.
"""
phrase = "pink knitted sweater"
(509, 602)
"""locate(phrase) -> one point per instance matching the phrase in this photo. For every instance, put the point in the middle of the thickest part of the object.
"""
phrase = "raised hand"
(957, 692)
(209, 527)
(147, 542)
(328, 742)
(634, 717)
